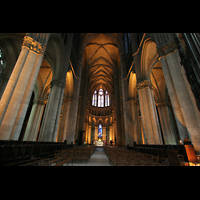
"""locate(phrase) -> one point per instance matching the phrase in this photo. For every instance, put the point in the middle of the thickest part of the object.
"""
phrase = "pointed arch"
(148, 58)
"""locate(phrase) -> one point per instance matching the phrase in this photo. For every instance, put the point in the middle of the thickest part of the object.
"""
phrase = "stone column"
(82, 104)
(182, 99)
(148, 113)
(115, 132)
(111, 133)
(12, 81)
(68, 121)
(17, 94)
(52, 112)
(104, 134)
(64, 120)
(86, 132)
(131, 120)
(96, 133)
(166, 123)
(89, 134)
(108, 135)
(118, 129)
(144, 140)
(34, 120)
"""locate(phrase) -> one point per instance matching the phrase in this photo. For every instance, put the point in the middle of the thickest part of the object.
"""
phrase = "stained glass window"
(94, 98)
(100, 98)
(106, 99)
(100, 131)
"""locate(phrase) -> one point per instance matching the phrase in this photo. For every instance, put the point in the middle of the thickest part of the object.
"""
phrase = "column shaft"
(167, 127)
(185, 109)
(17, 94)
(5, 99)
(148, 113)
(34, 121)
(89, 134)
(52, 112)
(26, 99)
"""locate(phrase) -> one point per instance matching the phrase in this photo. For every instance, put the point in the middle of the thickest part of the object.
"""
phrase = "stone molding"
(166, 43)
(33, 45)
(167, 48)
(143, 84)
(58, 83)
(131, 101)
(39, 101)
(161, 104)
(68, 99)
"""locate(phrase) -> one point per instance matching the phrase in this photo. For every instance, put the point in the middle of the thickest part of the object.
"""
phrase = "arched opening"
(101, 79)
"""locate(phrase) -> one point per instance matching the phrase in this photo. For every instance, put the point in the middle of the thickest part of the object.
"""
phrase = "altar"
(99, 143)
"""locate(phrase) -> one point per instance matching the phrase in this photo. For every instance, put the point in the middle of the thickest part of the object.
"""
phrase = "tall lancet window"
(94, 98)
(100, 131)
(101, 98)
(107, 102)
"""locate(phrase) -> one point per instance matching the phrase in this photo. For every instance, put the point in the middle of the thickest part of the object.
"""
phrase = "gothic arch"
(42, 86)
(69, 88)
(158, 82)
(148, 58)
(54, 54)
(100, 121)
(132, 86)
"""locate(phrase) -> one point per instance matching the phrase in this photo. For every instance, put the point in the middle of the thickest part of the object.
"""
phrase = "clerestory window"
(101, 98)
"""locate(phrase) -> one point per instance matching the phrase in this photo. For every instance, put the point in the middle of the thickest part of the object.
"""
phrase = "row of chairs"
(123, 157)
(13, 152)
(18, 142)
(77, 155)
(64, 156)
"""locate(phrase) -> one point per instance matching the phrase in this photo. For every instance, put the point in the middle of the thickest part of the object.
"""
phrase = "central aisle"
(98, 158)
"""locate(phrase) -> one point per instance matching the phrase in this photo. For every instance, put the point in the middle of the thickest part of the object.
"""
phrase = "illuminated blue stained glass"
(100, 131)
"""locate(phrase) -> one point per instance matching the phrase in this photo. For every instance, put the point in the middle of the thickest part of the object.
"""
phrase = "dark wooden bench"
(56, 160)
(63, 162)
(22, 162)
(36, 162)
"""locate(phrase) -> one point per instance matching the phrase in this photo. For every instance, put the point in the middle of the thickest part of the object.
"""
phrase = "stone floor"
(98, 158)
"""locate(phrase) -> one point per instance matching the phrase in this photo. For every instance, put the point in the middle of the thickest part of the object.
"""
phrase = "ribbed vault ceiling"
(102, 58)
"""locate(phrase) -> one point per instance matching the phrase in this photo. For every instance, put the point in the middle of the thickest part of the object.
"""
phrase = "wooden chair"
(64, 162)
(49, 163)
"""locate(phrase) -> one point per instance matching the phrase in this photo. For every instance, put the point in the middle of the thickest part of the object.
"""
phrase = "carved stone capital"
(39, 101)
(33, 45)
(167, 48)
(166, 43)
(143, 84)
(161, 104)
(58, 83)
